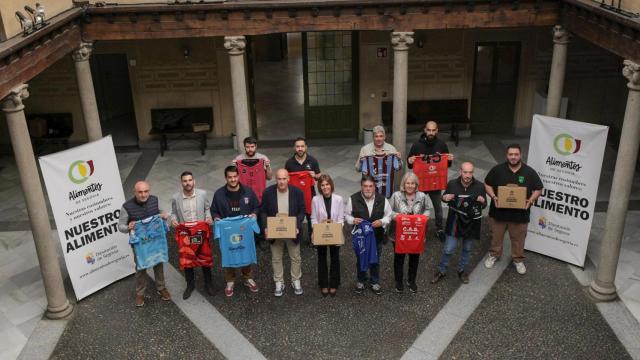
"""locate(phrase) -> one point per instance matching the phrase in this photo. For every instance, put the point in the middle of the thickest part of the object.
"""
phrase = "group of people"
(246, 197)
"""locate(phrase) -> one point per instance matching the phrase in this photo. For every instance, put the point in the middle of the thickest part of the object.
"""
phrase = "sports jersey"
(364, 245)
(237, 247)
(252, 174)
(432, 171)
(194, 246)
(149, 241)
(303, 181)
(382, 168)
(410, 233)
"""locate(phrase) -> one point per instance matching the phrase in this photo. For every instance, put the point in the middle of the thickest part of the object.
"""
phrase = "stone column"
(603, 286)
(558, 66)
(236, 45)
(57, 304)
(400, 42)
(85, 88)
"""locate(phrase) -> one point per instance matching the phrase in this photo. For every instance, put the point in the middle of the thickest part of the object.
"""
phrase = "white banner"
(568, 157)
(86, 194)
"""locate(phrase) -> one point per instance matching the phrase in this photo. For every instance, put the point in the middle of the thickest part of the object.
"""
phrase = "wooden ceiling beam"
(115, 24)
(603, 28)
(32, 60)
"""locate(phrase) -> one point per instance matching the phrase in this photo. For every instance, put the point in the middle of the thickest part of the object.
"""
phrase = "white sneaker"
(490, 261)
(297, 287)
(279, 289)
(520, 268)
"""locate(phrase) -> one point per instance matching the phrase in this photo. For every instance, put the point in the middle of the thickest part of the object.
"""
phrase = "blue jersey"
(237, 246)
(364, 245)
(382, 168)
(149, 241)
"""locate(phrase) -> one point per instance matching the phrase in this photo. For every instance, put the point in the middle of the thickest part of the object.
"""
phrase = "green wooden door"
(330, 84)
(495, 82)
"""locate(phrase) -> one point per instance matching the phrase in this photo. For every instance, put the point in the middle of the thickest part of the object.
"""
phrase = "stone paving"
(22, 297)
(23, 285)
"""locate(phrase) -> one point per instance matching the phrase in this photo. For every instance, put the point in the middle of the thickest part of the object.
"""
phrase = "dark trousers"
(436, 200)
(190, 276)
(309, 227)
(374, 269)
(329, 277)
(398, 267)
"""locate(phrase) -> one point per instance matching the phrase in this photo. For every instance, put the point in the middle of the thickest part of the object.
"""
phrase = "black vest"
(139, 211)
(359, 210)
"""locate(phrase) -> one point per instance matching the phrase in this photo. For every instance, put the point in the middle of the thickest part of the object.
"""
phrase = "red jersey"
(410, 233)
(432, 172)
(253, 175)
(303, 181)
(194, 244)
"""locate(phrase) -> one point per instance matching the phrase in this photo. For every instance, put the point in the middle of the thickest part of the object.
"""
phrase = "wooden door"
(330, 84)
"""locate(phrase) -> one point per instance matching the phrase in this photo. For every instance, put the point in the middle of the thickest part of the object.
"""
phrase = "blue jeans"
(450, 248)
(374, 269)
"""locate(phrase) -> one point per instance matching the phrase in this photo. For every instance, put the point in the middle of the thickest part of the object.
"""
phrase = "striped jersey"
(382, 168)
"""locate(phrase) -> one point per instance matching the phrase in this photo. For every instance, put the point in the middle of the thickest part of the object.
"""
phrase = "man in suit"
(287, 199)
(190, 205)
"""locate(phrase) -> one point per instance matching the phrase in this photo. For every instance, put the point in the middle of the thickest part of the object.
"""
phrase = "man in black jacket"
(234, 199)
(284, 199)
(430, 144)
(466, 198)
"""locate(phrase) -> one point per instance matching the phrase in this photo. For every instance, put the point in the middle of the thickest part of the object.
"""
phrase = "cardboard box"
(327, 234)
(281, 227)
(512, 197)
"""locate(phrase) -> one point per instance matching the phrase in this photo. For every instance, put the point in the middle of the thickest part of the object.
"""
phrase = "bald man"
(282, 198)
(466, 197)
(141, 206)
(430, 144)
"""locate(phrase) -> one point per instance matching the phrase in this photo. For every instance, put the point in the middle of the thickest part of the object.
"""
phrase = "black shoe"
(209, 289)
(437, 277)
(413, 287)
(441, 235)
(187, 293)
(399, 287)
(463, 276)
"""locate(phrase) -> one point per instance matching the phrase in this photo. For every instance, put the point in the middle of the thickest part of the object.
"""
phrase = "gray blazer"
(202, 206)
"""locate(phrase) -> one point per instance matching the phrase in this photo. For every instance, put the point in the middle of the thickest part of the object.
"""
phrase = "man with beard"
(191, 205)
(513, 171)
(299, 162)
(235, 199)
(466, 198)
(430, 144)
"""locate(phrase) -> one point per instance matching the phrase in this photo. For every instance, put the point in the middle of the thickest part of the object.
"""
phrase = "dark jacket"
(269, 207)
(424, 147)
(220, 207)
(138, 211)
(456, 227)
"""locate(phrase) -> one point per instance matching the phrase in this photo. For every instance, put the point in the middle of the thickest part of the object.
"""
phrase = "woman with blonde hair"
(408, 200)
